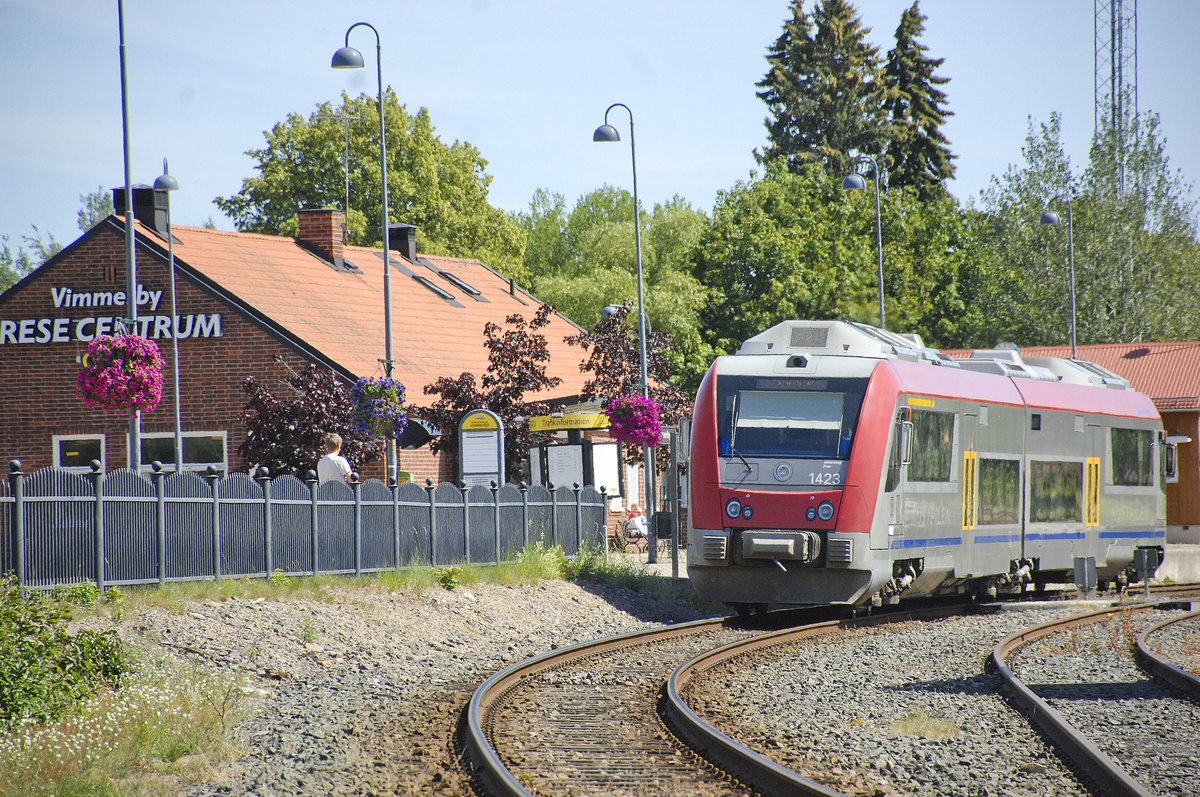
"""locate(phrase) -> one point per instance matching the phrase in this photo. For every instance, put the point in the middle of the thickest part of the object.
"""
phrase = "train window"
(1055, 491)
(771, 417)
(999, 491)
(933, 446)
(1132, 457)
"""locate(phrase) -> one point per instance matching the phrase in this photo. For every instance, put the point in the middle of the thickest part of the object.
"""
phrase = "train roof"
(843, 339)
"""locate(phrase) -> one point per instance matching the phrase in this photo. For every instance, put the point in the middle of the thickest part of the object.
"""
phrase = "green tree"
(584, 260)
(442, 188)
(94, 208)
(917, 153)
(823, 89)
(1133, 242)
(35, 248)
(800, 246)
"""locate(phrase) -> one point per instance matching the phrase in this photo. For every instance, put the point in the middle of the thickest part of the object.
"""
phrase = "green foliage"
(585, 260)
(84, 594)
(824, 90)
(279, 578)
(441, 188)
(1132, 243)
(44, 671)
(917, 153)
(94, 208)
(449, 577)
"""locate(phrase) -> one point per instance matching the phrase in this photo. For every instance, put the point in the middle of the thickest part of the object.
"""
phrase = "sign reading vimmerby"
(67, 330)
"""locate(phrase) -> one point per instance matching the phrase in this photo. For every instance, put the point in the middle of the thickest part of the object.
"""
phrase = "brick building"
(242, 299)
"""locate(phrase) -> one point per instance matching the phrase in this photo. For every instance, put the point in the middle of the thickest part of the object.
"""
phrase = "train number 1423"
(825, 478)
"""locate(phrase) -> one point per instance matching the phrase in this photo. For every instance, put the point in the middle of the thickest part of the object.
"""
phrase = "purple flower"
(379, 407)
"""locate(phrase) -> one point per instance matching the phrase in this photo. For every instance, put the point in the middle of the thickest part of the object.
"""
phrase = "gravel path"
(893, 710)
(360, 694)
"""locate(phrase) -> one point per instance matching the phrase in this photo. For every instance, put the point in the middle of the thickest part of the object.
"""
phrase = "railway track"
(585, 719)
(1130, 734)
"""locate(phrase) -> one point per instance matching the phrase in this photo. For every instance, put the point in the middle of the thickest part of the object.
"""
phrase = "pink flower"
(635, 420)
(121, 374)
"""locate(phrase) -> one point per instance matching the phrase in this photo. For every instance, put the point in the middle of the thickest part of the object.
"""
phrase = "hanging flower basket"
(379, 407)
(634, 420)
(122, 373)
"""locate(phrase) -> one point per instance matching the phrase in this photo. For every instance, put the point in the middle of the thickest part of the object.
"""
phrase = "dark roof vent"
(403, 238)
(149, 206)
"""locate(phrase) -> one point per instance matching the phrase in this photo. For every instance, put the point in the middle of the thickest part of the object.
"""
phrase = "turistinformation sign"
(68, 330)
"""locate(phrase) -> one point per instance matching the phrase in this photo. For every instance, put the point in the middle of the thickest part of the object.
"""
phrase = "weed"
(278, 578)
(449, 577)
(925, 726)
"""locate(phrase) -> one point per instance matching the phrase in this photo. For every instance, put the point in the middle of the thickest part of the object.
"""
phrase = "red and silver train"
(838, 463)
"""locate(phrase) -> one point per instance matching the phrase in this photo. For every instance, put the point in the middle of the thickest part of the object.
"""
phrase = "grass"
(168, 726)
(926, 726)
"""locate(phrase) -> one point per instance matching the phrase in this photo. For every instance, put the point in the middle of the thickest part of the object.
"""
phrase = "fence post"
(496, 517)
(394, 488)
(554, 538)
(263, 477)
(466, 505)
(16, 481)
(211, 475)
(578, 518)
(524, 488)
(432, 523)
(310, 479)
(356, 487)
(97, 483)
(160, 518)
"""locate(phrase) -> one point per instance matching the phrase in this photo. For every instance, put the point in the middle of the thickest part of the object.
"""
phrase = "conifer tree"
(823, 89)
(917, 153)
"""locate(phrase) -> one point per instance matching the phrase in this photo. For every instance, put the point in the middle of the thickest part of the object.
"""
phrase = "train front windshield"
(794, 418)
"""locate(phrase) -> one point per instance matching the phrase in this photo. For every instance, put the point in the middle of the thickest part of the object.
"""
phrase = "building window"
(200, 449)
(76, 452)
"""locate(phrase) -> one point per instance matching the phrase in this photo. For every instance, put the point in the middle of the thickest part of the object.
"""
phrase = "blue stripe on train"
(1128, 534)
(1065, 535)
(989, 538)
(924, 543)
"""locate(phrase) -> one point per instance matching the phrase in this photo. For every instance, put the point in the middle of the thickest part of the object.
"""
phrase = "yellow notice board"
(480, 420)
(582, 420)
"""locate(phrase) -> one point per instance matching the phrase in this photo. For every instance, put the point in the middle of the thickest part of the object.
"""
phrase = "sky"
(524, 81)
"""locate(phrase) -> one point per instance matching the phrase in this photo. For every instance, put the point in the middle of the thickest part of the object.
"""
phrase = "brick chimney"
(403, 238)
(321, 230)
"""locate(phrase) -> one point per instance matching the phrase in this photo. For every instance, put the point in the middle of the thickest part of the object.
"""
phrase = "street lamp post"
(129, 323)
(1050, 217)
(349, 58)
(608, 133)
(168, 183)
(856, 181)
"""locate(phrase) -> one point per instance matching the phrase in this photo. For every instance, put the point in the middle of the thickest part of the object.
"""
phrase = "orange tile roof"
(341, 314)
(1168, 371)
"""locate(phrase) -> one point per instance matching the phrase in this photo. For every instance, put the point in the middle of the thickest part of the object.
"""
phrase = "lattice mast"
(1115, 34)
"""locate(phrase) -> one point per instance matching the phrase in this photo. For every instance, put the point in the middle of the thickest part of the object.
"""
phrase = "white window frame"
(58, 439)
(194, 467)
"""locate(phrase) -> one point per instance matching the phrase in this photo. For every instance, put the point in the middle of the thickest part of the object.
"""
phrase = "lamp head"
(606, 132)
(347, 58)
(853, 182)
(1049, 217)
(166, 182)
(610, 311)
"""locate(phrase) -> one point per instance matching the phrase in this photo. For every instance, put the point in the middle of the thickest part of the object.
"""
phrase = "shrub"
(44, 670)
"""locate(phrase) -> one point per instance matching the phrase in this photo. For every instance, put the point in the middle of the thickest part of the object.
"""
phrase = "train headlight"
(811, 514)
(825, 510)
(747, 513)
(733, 508)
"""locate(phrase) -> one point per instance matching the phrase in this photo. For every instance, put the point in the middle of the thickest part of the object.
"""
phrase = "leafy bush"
(449, 577)
(44, 670)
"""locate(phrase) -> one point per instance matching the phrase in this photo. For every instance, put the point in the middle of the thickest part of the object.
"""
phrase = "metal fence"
(59, 527)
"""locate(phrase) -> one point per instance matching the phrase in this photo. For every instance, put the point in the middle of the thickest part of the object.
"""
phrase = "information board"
(481, 448)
